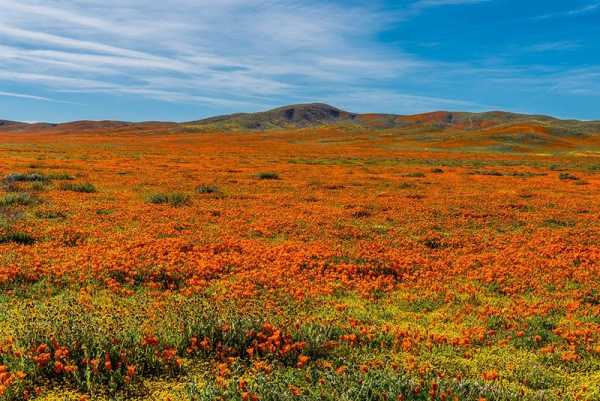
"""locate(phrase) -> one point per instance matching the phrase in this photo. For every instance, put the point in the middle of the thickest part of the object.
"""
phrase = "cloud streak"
(30, 97)
(575, 12)
(229, 55)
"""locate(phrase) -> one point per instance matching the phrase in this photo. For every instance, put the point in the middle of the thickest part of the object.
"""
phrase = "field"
(317, 264)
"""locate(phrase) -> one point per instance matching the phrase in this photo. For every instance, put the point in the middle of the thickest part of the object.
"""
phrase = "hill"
(318, 115)
(502, 127)
(293, 116)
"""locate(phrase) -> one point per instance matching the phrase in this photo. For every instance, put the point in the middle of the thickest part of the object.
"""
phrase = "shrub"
(18, 238)
(25, 177)
(172, 198)
(361, 213)
(38, 186)
(50, 214)
(437, 171)
(60, 176)
(85, 188)
(207, 189)
(17, 199)
(567, 176)
(493, 173)
(268, 176)
(559, 223)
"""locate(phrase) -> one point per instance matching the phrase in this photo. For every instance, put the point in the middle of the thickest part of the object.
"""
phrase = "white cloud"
(30, 97)
(234, 53)
(554, 46)
(574, 12)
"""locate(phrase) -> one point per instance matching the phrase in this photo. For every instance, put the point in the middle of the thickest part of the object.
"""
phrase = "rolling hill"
(318, 114)
(494, 128)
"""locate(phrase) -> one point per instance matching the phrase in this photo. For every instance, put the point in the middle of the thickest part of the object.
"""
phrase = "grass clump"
(17, 199)
(25, 177)
(268, 176)
(50, 214)
(207, 189)
(84, 188)
(60, 176)
(17, 238)
(175, 199)
(556, 223)
(415, 175)
(567, 177)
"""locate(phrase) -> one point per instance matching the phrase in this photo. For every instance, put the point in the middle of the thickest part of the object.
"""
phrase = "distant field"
(320, 264)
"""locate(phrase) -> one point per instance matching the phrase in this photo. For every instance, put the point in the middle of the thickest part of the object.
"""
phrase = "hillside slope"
(293, 116)
(318, 115)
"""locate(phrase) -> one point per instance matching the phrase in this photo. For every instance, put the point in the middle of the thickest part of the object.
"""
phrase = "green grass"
(175, 199)
(17, 238)
(267, 176)
(17, 199)
(50, 214)
(60, 176)
(25, 177)
(83, 188)
(567, 177)
(207, 189)
(415, 175)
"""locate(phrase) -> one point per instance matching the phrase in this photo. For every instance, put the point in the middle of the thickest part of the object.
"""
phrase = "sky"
(181, 60)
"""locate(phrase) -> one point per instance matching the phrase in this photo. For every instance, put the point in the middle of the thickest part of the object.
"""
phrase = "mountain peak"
(291, 116)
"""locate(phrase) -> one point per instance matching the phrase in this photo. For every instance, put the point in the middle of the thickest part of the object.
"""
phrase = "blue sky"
(180, 60)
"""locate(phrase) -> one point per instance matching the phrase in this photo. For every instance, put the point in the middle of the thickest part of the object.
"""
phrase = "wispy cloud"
(422, 4)
(390, 101)
(26, 96)
(562, 45)
(245, 54)
(585, 10)
(277, 48)
(574, 12)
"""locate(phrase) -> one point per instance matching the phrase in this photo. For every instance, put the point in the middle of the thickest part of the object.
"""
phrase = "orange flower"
(302, 360)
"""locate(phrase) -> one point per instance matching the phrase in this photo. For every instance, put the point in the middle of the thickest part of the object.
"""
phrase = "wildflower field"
(316, 264)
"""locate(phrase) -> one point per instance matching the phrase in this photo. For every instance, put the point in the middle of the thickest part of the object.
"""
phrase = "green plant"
(175, 199)
(207, 189)
(18, 238)
(25, 177)
(17, 199)
(415, 175)
(268, 176)
(567, 176)
(50, 214)
(85, 188)
(60, 176)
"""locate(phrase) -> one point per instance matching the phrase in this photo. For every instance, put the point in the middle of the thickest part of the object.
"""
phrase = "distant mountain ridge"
(293, 116)
(313, 115)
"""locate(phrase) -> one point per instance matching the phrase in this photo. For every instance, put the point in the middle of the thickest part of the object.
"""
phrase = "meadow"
(318, 264)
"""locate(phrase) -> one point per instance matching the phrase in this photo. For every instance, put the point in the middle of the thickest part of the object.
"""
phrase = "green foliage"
(60, 176)
(17, 199)
(268, 176)
(84, 187)
(415, 175)
(50, 214)
(25, 177)
(17, 238)
(207, 189)
(349, 384)
(567, 176)
(175, 199)
(556, 223)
